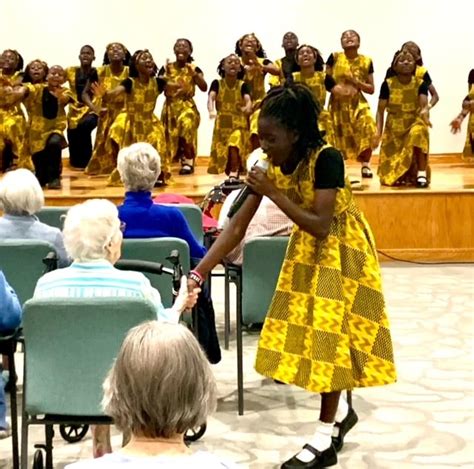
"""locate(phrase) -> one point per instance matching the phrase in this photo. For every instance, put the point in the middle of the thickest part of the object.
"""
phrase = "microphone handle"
(239, 201)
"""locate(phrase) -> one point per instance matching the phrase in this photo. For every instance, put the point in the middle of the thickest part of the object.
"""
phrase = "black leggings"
(47, 162)
(80, 141)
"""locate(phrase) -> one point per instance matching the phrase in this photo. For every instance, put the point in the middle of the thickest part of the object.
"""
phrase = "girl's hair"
(133, 72)
(294, 106)
(259, 52)
(19, 59)
(221, 72)
(190, 44)
(420, 60)
(26, 74)
(397, 55)
(319, 65)
(126, 60)
(90, 47)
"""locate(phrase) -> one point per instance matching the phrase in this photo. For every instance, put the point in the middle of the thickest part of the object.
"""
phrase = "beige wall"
(54, 30)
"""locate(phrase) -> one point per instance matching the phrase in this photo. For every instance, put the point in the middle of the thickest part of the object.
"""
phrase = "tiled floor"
(426, 419)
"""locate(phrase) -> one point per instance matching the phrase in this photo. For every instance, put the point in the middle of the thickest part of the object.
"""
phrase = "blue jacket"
(10, 308)
(145, 219)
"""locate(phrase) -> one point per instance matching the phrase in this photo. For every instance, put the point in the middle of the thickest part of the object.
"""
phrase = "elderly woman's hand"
(186, 299)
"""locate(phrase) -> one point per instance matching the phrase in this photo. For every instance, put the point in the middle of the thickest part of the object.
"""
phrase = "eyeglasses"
(123, 226)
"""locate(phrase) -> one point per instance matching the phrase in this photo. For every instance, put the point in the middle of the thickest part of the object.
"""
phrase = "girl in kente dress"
(403, 155)
(180, 115)
(230, 104)
(354, 125)
(326, 330)
(110, 75)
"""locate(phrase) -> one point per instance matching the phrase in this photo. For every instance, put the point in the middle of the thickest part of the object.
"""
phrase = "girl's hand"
(260, 183)
(98, 90)
(59, 94)
(456, 125)
(425, 115)
(187, 297)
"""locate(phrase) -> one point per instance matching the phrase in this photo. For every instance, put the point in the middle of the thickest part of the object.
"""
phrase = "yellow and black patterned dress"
(13, 125)
(316, 84)
(76, 110)
(40, 127)
(180, 115)
(404, 131)
(231, 128)
(468, 152)
(138, 123)
(354, 125)
(327, 328)
(255, 79)
(102, 162)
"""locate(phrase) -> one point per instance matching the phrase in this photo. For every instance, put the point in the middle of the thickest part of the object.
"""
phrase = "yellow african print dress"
(138, 123)
(316, 84)
(354, 125)
(255, 78)
(102, 162)
(277, 80)
(180, 115)
(327, 328)
(77, 110)
(404, 131)
(468, 152)
(40, 128)
(13, 125)
(231, 128)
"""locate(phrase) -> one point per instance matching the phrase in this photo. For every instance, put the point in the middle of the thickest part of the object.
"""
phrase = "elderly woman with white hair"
(160, 386)
(21, 197)
(139, 167)
(93, 238)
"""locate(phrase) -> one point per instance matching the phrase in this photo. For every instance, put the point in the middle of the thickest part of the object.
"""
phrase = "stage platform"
(415, 224)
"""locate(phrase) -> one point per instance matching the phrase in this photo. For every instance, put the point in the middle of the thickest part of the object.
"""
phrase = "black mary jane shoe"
(348, 422)
(186, 169)
(325, 458)
(366, 172)
(422, 182)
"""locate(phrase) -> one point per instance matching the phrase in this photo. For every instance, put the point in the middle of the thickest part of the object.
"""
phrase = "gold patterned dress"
(255, 78)
(404, 131)
(316, 84)
(180, 115)
(138, 123)
(354, 125)
(40, 127)
(13, 126)
(231, 128)
(102, 162)
(327, 328)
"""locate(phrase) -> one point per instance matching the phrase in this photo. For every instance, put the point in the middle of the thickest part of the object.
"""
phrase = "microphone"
(246, 191)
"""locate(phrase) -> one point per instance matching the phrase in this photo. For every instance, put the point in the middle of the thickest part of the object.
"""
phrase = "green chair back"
(53, 216)
(193, 215)
(70, 345)
(157, 250)
(22, 263)
(262, 261)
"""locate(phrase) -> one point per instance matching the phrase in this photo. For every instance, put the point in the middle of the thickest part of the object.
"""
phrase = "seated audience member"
(268, 220)
(93, 239)
(10, 318)
(139, 168)
(21, 197)
(160, 386)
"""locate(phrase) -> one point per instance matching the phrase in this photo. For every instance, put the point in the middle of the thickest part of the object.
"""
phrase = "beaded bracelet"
(196, 276)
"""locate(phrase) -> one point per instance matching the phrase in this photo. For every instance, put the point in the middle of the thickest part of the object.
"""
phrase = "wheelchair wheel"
(38, 459)
(193, 434)
(73, 433)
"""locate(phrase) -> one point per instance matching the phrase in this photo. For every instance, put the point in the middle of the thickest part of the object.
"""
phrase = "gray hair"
(21, 193)
(89, 228)
(161, 383)
(139, 166)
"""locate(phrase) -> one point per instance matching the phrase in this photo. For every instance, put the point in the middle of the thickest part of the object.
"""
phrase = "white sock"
(365, 164)
(422, 173)
(341, 414)
(321, 440)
